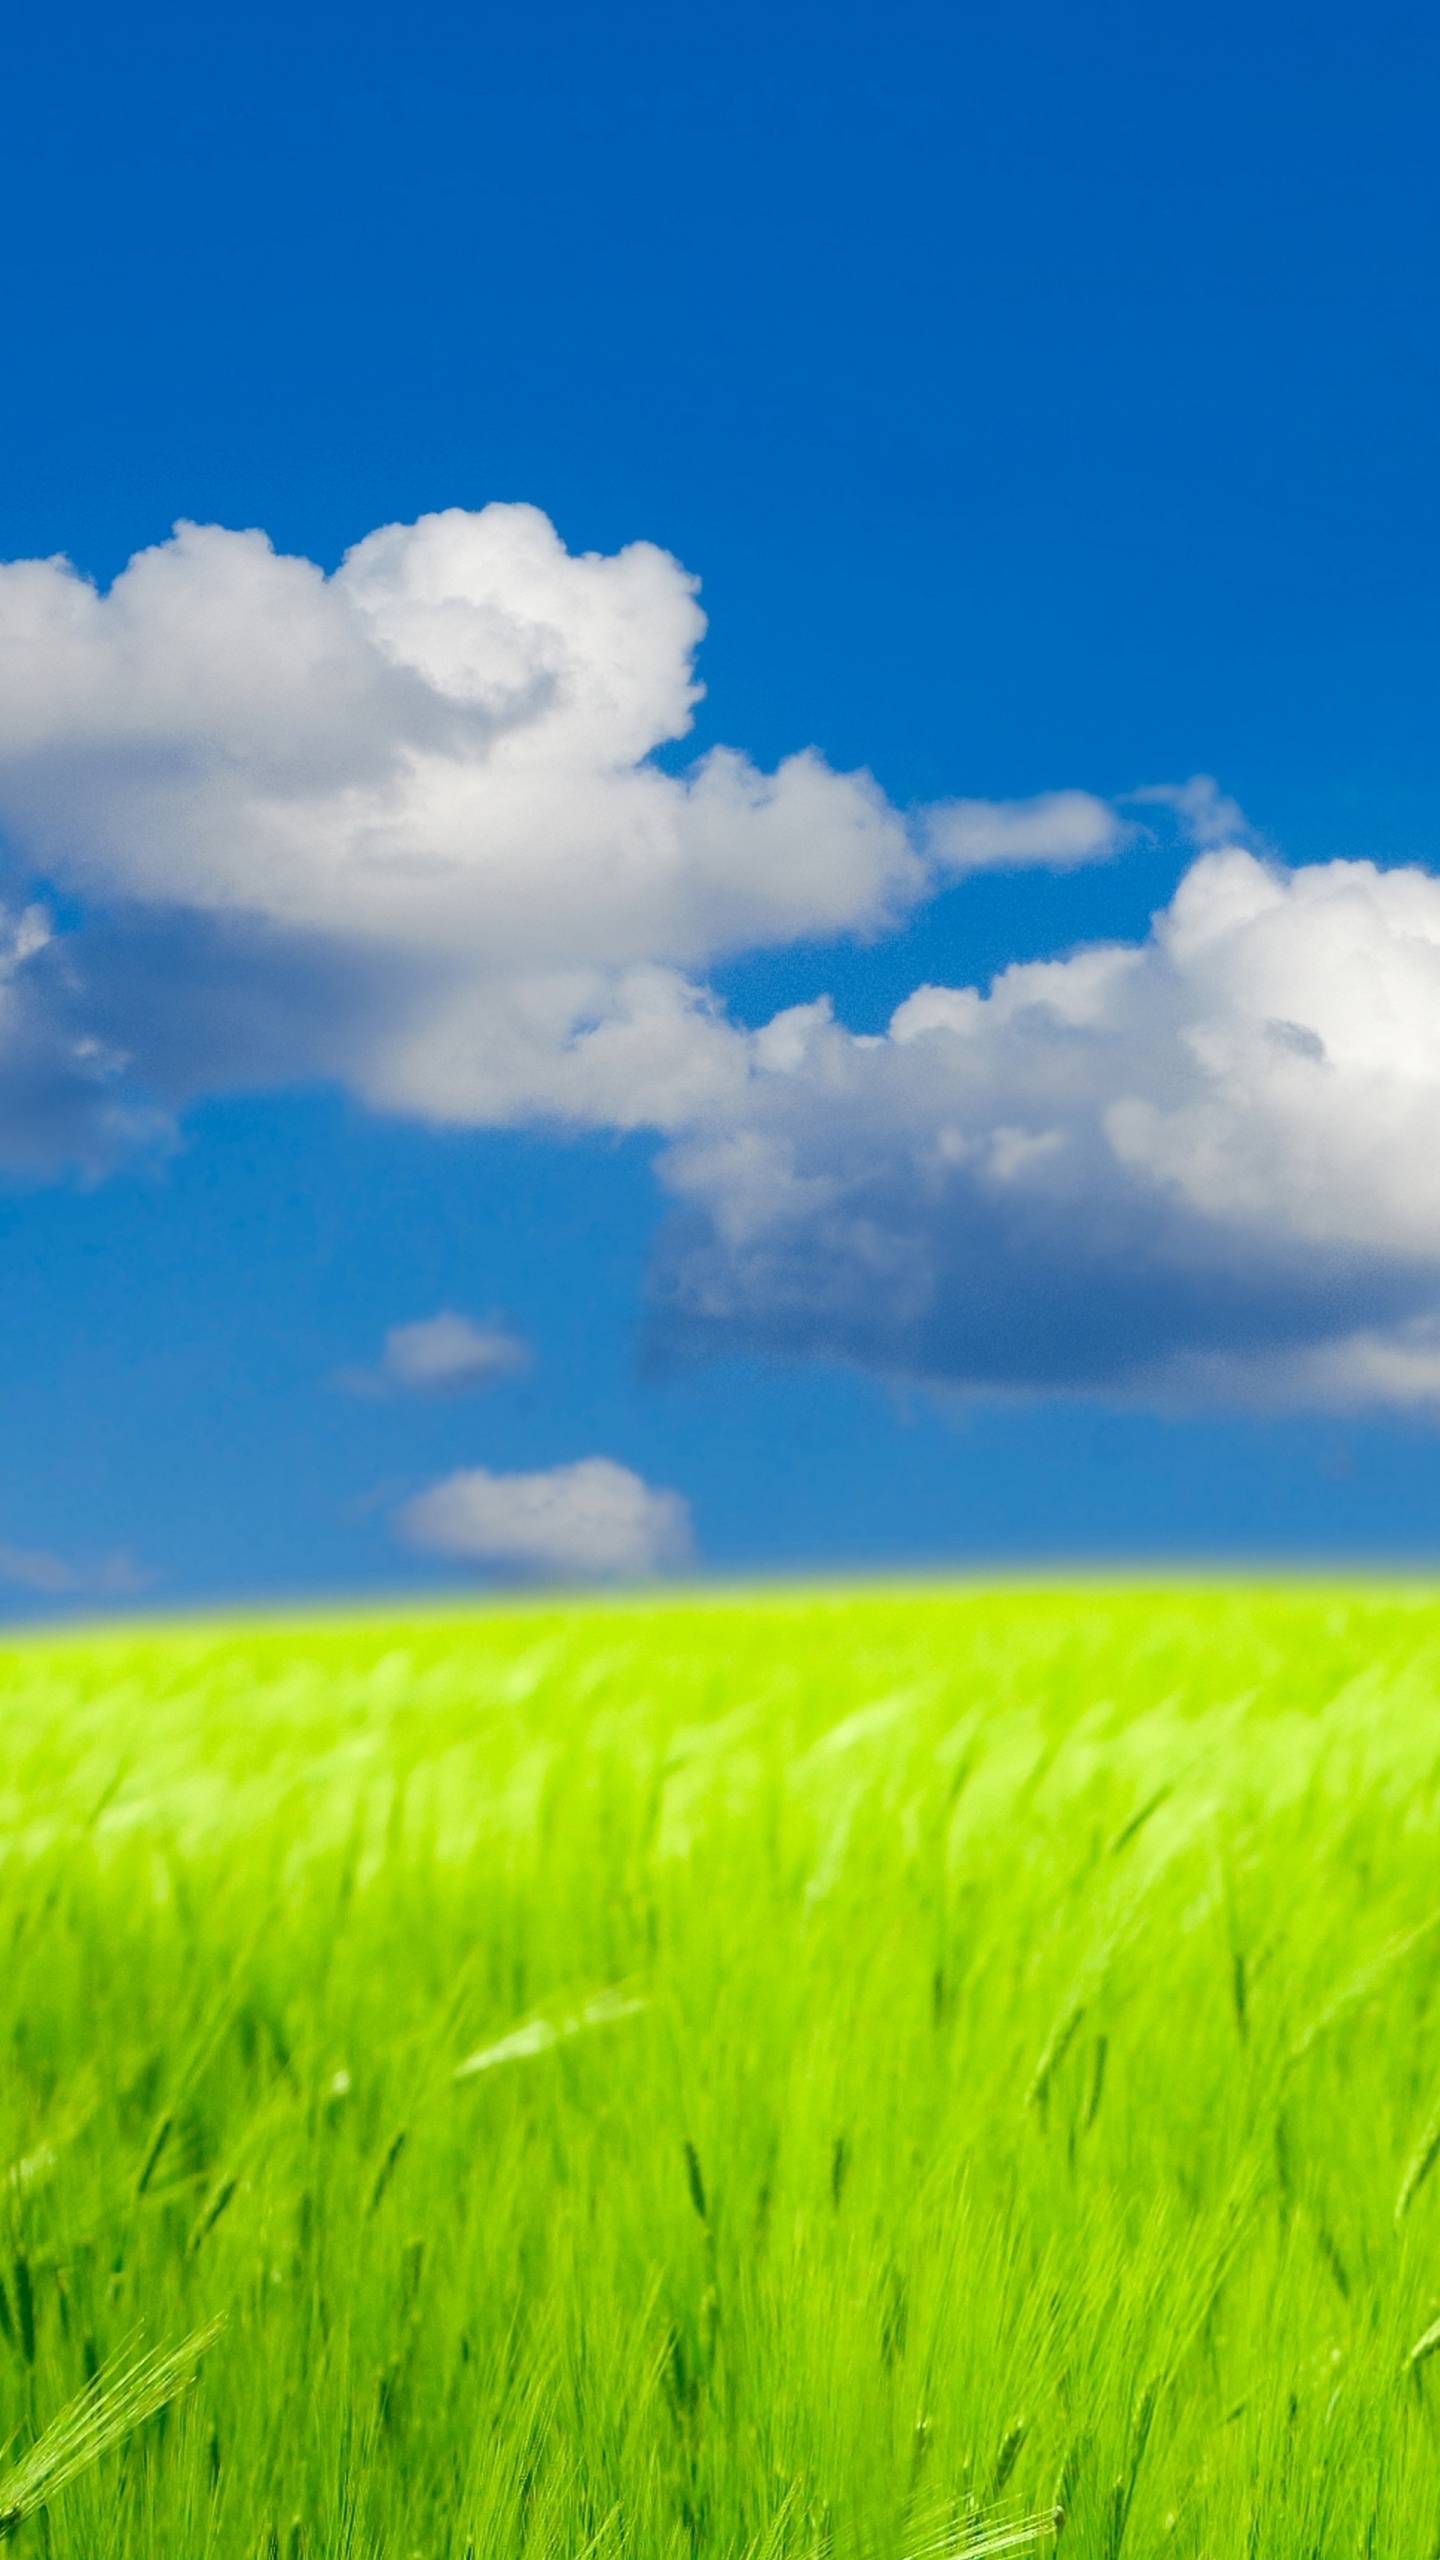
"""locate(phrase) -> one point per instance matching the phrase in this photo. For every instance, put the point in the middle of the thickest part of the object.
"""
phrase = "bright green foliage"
(931, 2056)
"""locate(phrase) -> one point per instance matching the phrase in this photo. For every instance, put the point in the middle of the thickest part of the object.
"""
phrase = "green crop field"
(796, 2075)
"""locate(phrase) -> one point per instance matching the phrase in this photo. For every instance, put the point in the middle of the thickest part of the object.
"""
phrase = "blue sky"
(1046, 401)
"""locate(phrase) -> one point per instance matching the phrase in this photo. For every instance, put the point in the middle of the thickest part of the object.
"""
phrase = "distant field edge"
(1353, 1581)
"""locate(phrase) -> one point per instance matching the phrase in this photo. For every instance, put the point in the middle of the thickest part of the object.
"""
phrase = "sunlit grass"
(787, 2076)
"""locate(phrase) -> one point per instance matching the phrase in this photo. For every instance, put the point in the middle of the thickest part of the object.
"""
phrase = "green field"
(792, 2075)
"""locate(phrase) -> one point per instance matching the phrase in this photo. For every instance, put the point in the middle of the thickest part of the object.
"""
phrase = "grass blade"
(539, 2035)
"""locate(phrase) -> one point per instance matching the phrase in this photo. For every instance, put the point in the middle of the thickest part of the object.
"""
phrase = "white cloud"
(1309, 1050)
(439, 761)
(1205, 814)
(59, 1096)
(1352, 1373)
(1058, 828)
(405, 822)
(447, 1351)
(21, 936)
(1199, 1168)
(440, 1355)
(593, 1518)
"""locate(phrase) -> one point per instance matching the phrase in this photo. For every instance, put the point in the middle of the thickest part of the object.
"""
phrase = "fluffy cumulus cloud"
(404, 826)
(440, 1355)
(1202, 1167)
(590, 1519)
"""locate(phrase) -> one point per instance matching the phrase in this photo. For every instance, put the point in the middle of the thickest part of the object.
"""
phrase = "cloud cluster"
(590, 1519)
(404, 826)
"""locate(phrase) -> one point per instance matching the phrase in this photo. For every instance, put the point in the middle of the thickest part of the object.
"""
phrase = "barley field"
(882, 2074)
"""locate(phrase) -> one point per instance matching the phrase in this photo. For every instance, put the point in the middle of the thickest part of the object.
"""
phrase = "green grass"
(980, 2052)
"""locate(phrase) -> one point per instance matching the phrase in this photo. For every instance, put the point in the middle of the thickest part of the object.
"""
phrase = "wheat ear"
(105, 2412)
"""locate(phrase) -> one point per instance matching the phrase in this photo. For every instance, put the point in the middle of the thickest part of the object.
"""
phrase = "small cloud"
(21, 936)
(1057, 829)
(592, 1517)
(36, 1569)
(440, 1356)
(1206, 816)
